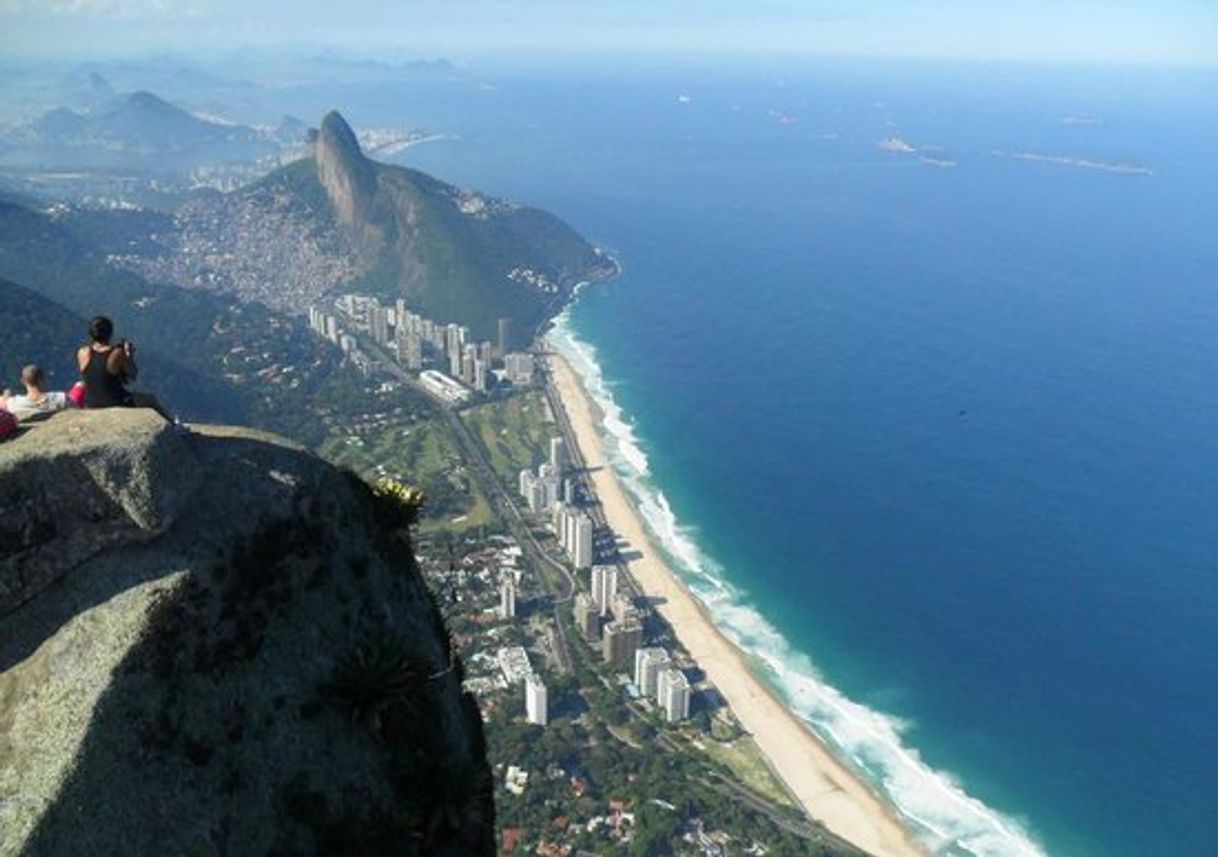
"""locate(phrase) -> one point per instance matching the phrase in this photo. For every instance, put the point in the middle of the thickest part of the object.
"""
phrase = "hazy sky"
(1157, 31)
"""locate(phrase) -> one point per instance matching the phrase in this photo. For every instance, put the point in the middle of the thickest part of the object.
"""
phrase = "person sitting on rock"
(107, 368)
(37, 401)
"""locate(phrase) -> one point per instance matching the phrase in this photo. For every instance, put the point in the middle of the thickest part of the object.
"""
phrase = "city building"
(558, 456)
(551, 484)
(505, 336)
(411, 353)
(507, 597)
(439, 384)
(572, 527)
(620, 641)
(519, 368)
(673, 694)
(533, 492)
(604, 587)
(647, 665)
(623, 606)
(536, 701)
(581, 547)
(514, 662)
(469, 355)
(587, 617)
(378, 322)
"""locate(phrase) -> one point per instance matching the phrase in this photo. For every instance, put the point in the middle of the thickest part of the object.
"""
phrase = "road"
(560, 581)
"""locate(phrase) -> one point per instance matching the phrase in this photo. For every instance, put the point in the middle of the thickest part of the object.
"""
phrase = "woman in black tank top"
(104, 370)
(107, 369)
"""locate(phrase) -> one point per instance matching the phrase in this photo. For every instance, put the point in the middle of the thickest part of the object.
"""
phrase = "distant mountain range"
(140, 129)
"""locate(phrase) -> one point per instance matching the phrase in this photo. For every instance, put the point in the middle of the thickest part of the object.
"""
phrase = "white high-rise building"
(581, 550)
(469, 355)
(549, 490)
(378, 322)
(604, 587)
(536, 701)
(533, 492)
(507, 597)
(558, 519)
(673, 694)
(564, 524)
(550, 484)
(412, 351)
(480, 375)
(647, 665)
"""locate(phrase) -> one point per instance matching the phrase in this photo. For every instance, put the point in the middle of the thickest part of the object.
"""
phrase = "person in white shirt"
(36, 402)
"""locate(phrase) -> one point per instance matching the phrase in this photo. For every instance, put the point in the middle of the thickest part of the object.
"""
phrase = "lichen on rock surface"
(208, 645)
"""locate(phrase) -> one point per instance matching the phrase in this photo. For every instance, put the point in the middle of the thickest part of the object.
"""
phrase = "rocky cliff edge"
(216, 643)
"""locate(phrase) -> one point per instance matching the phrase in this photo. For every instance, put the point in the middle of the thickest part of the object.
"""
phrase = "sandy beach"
(828, 790)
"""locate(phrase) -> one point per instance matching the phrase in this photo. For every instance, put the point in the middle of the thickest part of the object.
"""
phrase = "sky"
(1175, 32)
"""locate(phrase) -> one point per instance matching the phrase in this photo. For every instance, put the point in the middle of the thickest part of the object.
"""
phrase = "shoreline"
(824, 786)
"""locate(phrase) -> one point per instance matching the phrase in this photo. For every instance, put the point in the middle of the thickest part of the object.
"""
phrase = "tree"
(655, 830)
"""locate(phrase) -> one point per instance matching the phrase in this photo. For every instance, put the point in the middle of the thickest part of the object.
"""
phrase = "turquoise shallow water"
(936, 443)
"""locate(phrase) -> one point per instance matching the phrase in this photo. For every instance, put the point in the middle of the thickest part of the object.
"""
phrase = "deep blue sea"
(938, 444)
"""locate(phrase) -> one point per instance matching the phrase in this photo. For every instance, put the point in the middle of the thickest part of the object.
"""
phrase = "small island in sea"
(897, 145)
(1126, 168)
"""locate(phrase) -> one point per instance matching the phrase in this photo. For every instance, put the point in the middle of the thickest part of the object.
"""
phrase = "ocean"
(931, 427)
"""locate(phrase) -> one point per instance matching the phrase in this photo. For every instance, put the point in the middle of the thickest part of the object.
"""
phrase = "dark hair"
(101, 329)
(33, 375)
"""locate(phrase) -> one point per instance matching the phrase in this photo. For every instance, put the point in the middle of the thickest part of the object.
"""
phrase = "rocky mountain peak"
(342, 168)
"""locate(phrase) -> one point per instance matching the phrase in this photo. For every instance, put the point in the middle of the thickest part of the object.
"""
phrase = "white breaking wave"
(941, 813)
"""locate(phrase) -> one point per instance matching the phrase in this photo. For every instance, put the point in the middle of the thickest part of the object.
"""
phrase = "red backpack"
(8, 424)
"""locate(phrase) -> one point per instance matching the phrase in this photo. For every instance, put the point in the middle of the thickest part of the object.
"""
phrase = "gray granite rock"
(211, 645)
